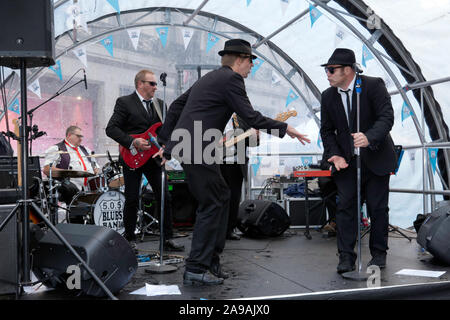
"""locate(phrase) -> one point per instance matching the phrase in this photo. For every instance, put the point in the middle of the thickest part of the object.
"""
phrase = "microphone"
(162, 77)
(84, 76)
(153, 140)
(357, 68)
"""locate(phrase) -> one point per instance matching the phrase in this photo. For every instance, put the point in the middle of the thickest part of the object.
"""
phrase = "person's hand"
(339, 162)
(293, 133)
(360, 140)
(141, 144)
(160, 154)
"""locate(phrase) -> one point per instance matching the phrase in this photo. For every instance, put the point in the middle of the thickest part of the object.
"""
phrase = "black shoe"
(206, 278)
(378, 260)
(346, 264)
(216, 269)
(233, 236)
(170, 245)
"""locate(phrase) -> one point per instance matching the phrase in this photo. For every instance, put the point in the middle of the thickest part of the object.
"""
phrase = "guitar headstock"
(283, 116)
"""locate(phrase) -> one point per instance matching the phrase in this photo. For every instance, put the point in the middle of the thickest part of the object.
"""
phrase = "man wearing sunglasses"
(134, 114)
(378, 158)
(209, 103)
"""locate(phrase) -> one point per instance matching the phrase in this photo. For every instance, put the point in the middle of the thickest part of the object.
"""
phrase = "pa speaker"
(260, 218)
(434, 234)
(8, 252)
(104, 250)
(27, 33)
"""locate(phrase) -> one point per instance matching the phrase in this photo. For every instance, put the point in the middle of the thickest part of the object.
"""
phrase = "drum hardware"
(141, 226)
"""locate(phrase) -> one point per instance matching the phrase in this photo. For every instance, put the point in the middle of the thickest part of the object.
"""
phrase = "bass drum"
(108, 210)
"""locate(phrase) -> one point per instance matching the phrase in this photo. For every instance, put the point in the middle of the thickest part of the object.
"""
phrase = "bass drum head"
(108, 211)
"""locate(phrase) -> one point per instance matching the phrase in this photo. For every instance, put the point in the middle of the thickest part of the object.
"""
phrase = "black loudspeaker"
(260, 218)
(8, 252)
(104, 250)
(434, 234)
(27, 32)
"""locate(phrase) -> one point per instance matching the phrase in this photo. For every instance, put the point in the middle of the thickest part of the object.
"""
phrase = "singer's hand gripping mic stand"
(161, 267)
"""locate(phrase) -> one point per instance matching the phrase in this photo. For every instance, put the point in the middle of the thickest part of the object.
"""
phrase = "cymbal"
(66, 173)
(99, 155)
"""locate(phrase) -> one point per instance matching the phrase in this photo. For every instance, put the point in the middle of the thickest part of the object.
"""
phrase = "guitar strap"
(157, 108)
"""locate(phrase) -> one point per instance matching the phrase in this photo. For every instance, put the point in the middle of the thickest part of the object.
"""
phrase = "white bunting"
(339, 36)
(275, 78)
(284, 5)
(35, 87)
(80, 52)
(134, 35)
(76, 18)
(187, 36)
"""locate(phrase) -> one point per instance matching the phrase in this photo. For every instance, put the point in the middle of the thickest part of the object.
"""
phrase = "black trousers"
(375, 191)
(328, 190)
(213, 195)
(233, 175)
(133, 180)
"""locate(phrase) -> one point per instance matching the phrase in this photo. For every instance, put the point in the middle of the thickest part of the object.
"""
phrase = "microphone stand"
(358, 274)
(161, 267)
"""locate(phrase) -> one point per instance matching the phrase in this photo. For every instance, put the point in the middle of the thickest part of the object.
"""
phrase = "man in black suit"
(378, 158)
(199, 117)
(134, 114)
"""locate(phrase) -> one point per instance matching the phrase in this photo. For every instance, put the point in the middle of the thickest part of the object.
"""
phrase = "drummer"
(70, 154)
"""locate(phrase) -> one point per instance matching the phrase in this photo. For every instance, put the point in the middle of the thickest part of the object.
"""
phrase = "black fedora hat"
(341, 56)
(237, 46)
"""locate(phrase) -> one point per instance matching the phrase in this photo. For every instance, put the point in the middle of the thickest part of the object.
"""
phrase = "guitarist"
(134, 114)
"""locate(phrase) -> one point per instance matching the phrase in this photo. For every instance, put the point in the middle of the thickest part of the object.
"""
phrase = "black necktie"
(349, 109)
(148, 103)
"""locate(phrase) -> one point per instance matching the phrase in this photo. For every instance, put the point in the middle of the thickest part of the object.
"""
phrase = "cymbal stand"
(144, 228)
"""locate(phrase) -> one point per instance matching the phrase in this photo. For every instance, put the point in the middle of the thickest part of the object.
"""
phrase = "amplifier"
(295, 208)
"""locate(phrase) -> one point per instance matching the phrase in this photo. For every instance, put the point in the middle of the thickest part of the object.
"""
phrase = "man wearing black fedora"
(208, 106)
(378, 158)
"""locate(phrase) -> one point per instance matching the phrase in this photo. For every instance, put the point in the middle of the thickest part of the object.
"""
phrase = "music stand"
(161, 267)
(24, 204)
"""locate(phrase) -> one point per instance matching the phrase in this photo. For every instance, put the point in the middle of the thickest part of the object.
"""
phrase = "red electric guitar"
(137, 158)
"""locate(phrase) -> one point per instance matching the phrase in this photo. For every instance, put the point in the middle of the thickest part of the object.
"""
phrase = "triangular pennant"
(256, 65)
(306, 161)
(366, 55)
(108, 43)
(162, 33)
(339, 36)
(134, 35)
(319, 141)
(115, 5)
(187, 36)
(314, 14)
(80, 52)
(248, 2)
(35, 87)
(15, 106)
(291, 97)
(57, 69)
(212, 40)
(284, 4)
(255, 165)
(406, 111)
(432, 154)
(275, 78)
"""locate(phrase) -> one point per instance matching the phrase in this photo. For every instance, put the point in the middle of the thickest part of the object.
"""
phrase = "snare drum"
(97, 183)
(113, 172)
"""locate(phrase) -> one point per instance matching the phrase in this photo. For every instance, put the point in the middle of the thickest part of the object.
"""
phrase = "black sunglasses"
(331, 69)
(247, 57)
(152, 83)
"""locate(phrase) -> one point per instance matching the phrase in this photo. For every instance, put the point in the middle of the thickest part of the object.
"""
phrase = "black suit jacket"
(376, 121)
(129, 117)
(212, 100)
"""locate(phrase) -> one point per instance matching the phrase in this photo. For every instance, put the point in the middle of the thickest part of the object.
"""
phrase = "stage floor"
(285, 267)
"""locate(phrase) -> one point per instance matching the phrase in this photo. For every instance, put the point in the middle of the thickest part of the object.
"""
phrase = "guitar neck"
(240, 137)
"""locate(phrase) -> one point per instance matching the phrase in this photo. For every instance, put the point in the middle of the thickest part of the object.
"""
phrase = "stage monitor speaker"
(261, 218)
(27, 33)
(434, 234)
(8, 252)
(104, 250)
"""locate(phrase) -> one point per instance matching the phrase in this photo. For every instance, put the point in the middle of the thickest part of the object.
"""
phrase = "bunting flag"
(399, 160)
(284, 5)
(275, 78)
(366, 55)
(134, 35)
(80, 52)
(187, 36)
(35, 88)
(57, 69)
(340, 35)
(248, 2)
(432, 154)
(212, 40)
(162, 33)
(256, 65)
(108, 44)
(15, 106)
(291, 97)
(256, 164)
(115, 5)
(319, 141)
(314, 14)
(406, 111)
(306, 161)
(412, 158)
